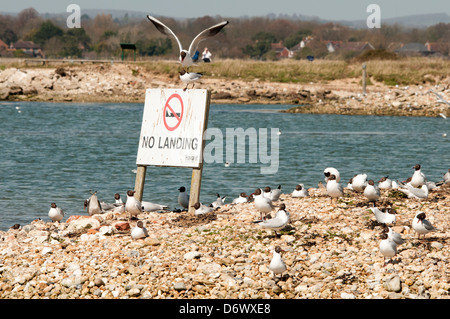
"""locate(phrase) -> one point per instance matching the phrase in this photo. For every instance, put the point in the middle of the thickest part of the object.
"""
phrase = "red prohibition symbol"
(169, 112)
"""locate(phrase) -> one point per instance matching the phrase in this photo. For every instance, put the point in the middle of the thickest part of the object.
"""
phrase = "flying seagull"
(186, 55)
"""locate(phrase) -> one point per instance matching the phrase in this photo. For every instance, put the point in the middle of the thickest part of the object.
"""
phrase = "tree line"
(100, 36)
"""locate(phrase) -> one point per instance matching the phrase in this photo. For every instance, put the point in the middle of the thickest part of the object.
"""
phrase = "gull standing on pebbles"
(262, 203)
(281, 219)
(139, 231)
(359, 182)
(388, 247)
(331, 171)
(273, 194)
(300, 191)
(372, 192)
(186, 55)
(277, 265)
(396, 237)
(133, 206)
(421, 225)
(55, 213)
(93, 205)
(447, 177)
(418, 179)
(334, 189)
(189, 77)
(386, 217)
(183, 197)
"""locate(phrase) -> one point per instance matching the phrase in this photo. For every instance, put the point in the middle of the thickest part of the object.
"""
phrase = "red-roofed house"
(281, 51)
(28, 47)
(438, 47)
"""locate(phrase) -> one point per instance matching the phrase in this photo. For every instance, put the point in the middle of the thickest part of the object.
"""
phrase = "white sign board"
(172, 128)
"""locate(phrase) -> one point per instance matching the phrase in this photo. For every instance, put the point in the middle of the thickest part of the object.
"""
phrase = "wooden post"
(364, 78)
(140, 181)
(196, 180)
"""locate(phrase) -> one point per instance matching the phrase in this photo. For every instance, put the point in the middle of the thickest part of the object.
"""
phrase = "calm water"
(59, 152)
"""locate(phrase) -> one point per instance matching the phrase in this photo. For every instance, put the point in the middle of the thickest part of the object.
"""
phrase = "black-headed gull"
(243, 198)
(388, 247)
(384, 217)
(385, 183)
(277, 265)
(334, 189)
(396, 237)
(447, 177)
(55, 213)
(300, 191)
(133, 206)
(152, 207)
(421, 225)
(139, 231)
(189, 77)
(183, 197)
(372, 192)
(418, 178)
(412, 192)
(331, 171)
(281, 219)
(262, 204)
(93, 205)
(220, 201)
(202, 209)
(273, 194)
(186, 55)
(359, 182)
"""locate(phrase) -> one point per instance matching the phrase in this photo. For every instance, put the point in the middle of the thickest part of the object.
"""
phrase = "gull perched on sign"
(189, 77)
(186, 55)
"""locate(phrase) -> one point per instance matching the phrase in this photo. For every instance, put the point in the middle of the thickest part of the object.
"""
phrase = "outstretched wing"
(164, 29)
(212, 31)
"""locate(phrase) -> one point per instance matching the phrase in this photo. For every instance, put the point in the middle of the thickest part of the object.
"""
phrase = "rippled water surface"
(58, 152)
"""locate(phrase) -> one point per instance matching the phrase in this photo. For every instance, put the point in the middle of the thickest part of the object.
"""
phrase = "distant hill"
(412, 21)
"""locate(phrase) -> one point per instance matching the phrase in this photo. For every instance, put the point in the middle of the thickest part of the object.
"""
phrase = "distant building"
(354, 46)
(333, 46)
(28, 47)
(438, 48)
(281, 51)
(3, 45)
(413, 49)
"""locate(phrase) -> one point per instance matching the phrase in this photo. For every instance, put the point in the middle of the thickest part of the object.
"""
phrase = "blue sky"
(326, 9)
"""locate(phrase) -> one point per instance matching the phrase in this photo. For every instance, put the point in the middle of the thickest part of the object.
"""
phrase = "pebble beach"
(331, 251)
(127, 83)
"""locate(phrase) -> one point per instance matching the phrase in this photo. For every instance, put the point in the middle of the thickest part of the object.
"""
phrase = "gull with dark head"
(418, 178)
(300, 191)
(262, 204)
(133, 206)
(186, 55)
(243, 198)
(334, 189)
(277, 265)
(55, 213)
(189, 77)
(281, 219)
(421, 225)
